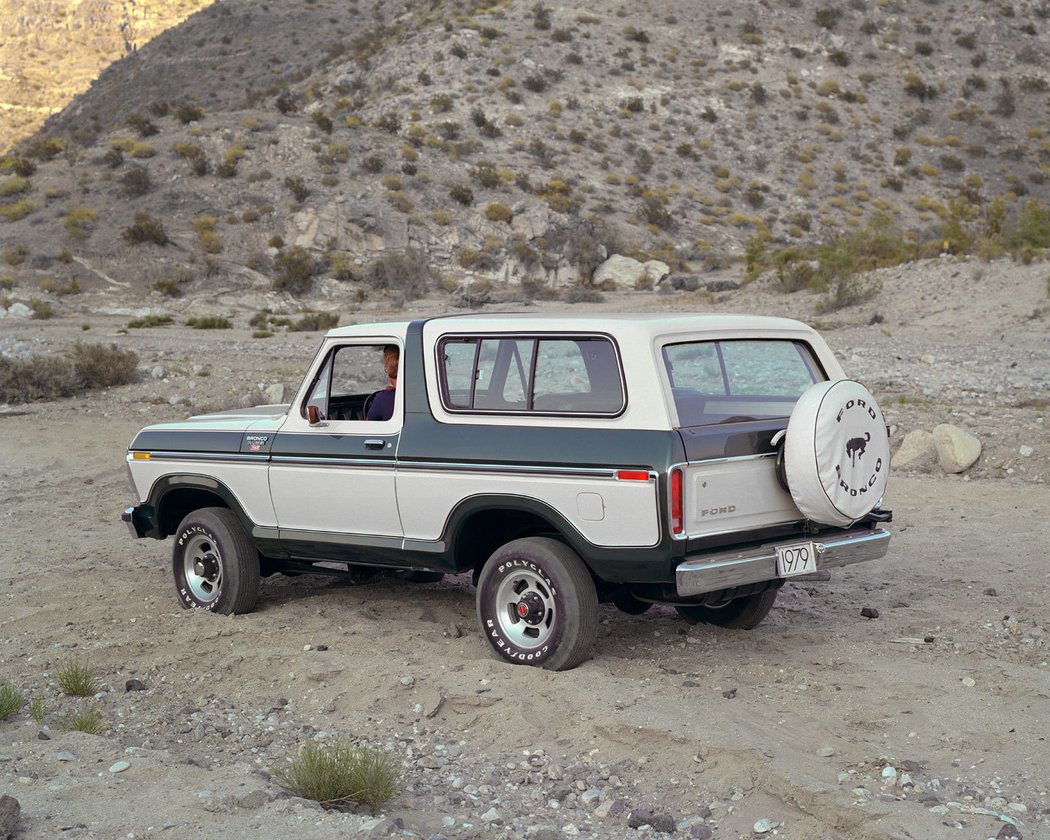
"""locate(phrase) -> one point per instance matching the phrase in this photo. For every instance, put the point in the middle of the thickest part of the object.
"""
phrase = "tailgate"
(730, 483)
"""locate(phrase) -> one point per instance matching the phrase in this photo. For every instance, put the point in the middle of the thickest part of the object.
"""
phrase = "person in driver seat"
(382, 407)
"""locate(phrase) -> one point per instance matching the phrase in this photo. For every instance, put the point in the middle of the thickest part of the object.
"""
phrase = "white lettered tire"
(836, 453)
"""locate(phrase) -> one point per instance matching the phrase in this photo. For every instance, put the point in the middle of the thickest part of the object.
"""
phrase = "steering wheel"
(368, 404)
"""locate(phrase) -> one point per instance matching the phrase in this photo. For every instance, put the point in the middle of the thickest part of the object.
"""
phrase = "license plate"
(796, 559)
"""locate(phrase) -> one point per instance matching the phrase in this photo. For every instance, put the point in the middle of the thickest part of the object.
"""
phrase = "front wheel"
(216, 566)
(537, 604)
(744, 613)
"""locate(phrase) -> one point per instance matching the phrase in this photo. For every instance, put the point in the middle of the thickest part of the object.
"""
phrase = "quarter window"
(732, 381)
(531, 375)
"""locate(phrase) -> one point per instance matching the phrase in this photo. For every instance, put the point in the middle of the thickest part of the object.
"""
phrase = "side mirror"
(313, 415)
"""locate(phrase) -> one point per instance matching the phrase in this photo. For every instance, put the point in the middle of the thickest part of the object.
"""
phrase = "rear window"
(734, 381)
(531, 375)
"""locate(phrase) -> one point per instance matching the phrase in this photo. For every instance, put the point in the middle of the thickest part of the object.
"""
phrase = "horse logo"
(855, 447)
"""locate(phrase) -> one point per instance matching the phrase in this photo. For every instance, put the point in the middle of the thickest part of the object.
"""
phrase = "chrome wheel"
(525, 609)
(202, 567)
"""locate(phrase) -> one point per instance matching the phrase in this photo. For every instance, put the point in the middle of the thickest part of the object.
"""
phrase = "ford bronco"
(698, 461)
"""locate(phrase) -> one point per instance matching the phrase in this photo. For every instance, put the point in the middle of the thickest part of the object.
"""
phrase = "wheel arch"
(478, 525)
(174, 496)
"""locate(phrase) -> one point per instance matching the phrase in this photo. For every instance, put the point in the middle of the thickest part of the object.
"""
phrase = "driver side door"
(332, 482)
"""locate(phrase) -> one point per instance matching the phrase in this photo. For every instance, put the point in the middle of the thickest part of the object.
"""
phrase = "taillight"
(677, 527)
(632, 475)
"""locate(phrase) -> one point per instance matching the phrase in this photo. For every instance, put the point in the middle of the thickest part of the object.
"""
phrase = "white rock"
(623, 272)
(1026, 451)
(957, 449)
(969, 682)
(491, 815)
(764, 826)
(826, 752)
(274, 395)
(889, 773)
(19, 310)
(119, 767)
(655, 271)
(918, 446)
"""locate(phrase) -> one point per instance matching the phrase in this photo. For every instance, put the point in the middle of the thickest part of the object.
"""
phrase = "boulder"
(19, 310)
(622, 272)
(957, 449)
(10, 811)
(917, 449)
(656, 271)
(274, 395)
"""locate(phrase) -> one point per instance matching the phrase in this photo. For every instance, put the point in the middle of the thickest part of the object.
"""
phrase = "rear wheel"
(743, 613)
(537, 604)
(216, 567)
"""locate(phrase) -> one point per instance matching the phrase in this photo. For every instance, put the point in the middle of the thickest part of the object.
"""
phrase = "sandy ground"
(794, 722)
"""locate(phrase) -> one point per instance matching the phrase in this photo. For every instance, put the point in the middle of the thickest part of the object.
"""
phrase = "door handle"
(374, 444)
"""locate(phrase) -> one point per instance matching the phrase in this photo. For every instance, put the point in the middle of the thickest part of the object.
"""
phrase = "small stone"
(1017, 807)
(729, 693)
(969, 682)
(929, 639)
(663, 823)
(639, 817)
(1026, 451)
(42, 736)
(66, 756)
(157, 372)
(957, 449)
(701, 832)
(826, 752)
(1009, 832)
(134, 685)
(10, 811)
(491, 816)
(408, 680)
(889, 774)
(990, 591)
(308, 647)
(321, 647)
(453, 631)
(591, 798)
(869, 612)
(764, 826)
(119, 766)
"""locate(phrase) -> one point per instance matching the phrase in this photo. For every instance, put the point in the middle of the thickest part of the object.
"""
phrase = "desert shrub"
(315, 322)
(18, 165)
(36, 378)
(585, 243)
(339, 151)
(372, 164)
(297, 186)
(399, 201)
(208, 322)
(463, 194)
(42, 310)
(14, 186)
(389, 122)
(151, 320)
(18, 209)
(441, 103)
(583, 294)
(186, 113)
(337, 775)
(496, 212)
(79, 222)
(915, 86)
(14, 254)
(113, 158)
(449, 129)
(37, 709)
(11, 699)
(408, 273)
(827, 17)
(145, 230)
(42, 147)
(99, 366)
(535, 82)
(77, 679)
(322, 121)
(136, 181)
(294, 271)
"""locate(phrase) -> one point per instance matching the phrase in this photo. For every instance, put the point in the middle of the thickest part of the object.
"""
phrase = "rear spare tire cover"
(836, 453)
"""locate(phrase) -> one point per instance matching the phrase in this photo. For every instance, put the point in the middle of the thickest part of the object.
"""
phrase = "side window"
(349, 381)
(555, 375)
(733, 381)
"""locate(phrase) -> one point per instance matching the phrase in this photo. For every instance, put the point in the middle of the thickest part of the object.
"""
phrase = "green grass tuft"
(11, 699)
(77, 679)
(339, 774)
(87, 720)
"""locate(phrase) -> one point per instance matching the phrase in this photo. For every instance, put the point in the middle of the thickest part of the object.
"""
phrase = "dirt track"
(688, 719)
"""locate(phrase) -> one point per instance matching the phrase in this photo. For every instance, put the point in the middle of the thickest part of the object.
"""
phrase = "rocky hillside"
(85, 35)
(402, 147)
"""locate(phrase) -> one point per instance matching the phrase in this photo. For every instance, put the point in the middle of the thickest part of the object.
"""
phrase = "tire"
(216, 567)
(550, 582)
(744, 613)
(836, 456)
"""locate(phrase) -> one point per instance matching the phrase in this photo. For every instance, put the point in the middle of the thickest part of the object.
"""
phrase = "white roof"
(652, 324)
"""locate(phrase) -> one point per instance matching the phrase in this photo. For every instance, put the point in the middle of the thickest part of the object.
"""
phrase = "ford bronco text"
(693, 460)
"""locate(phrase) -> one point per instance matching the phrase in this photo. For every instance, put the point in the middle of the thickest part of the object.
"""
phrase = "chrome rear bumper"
(726, 569)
